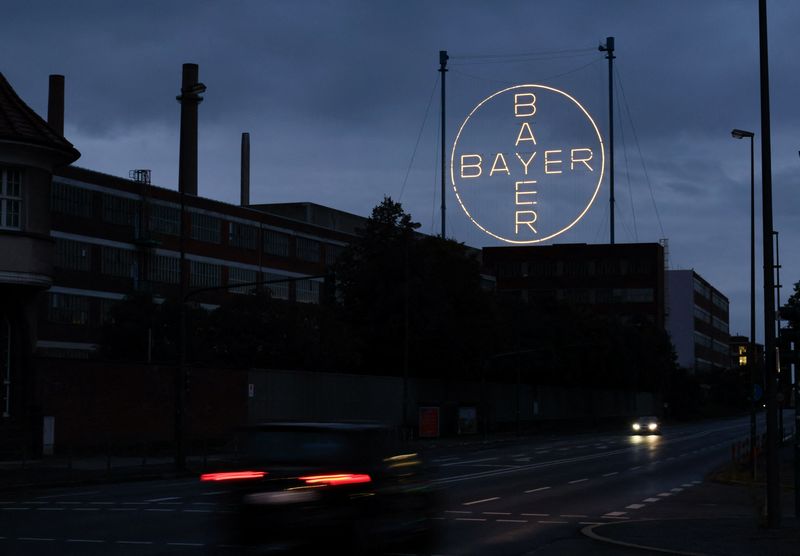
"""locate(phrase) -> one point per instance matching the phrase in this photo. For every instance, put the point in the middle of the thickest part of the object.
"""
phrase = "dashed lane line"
(537, 515)
(664, 494)
(651, 499)
(552, 521)
(574, 516)
(635, 506)
(614, 514)
(496, 513)
(164, 499)
(133, 542)
(481, 501)
(34, 539)
(512, 521)
(576, 481)
(470, 519)
(457, 512)
(611, 474)
(537, 489)
(96, 541)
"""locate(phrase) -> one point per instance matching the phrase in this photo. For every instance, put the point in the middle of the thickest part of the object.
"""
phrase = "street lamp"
(751, 350)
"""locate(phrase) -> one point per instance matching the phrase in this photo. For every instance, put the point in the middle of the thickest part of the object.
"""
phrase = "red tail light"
(232, 475)
(337, 479)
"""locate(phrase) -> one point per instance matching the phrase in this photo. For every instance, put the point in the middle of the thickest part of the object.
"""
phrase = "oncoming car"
(646, 425)
(310, 487)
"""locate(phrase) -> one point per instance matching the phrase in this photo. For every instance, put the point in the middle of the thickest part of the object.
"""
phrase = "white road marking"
(85, 540)
(635, 506)
(512, 521)
(537, 515)
(590, 523)
(573, 515)
(185, 544)
(611, 474)
(536, 489)
(696, 482)
(552, 521)
(635, 468)
(67, 494)
(687, 485)
(135, 503)
(85, 509)
(33, 539)
(651, 499)
(470, 519)
(578, 481)
(676, 490)
(481, 501)
(164, 499)
(469, 461)
(664, 494)
(457, 512)
(215, 493)
(496, 513)
(614, 514)
(133, 542)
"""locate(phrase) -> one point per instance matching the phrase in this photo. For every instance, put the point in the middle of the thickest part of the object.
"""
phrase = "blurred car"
(646, 425)
(347, 487)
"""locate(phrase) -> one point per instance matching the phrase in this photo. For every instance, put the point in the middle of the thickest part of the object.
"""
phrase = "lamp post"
(751, 349)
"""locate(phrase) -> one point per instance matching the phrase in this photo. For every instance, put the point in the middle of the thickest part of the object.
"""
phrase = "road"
(521, 496)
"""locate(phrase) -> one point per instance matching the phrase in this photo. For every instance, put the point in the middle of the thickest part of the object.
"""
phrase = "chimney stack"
(189, 99)
(55, 104)
(245, 169)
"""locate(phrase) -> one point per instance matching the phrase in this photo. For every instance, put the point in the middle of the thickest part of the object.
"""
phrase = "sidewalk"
(714, 519)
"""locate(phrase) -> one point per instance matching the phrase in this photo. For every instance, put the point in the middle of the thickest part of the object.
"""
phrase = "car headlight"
(637, 426)
(652, 426)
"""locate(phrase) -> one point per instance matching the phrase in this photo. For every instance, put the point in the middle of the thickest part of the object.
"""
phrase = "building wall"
(680, 320)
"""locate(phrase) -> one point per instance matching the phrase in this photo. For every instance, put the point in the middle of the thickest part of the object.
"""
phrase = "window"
(68, 309)
(279, 290)
(72, 255)
(119, 210)
(205, 227)
(165, 219)
(720, 324)
(308, 249)
(702, 289)
(702, 314)
(241, 276)
(276, 243)
(720, 301)
(332, 253)
(164, 269)
(205, 275)
(116, 262)
(307, 291)
(242, 235)
(10, 198)
(68, 199)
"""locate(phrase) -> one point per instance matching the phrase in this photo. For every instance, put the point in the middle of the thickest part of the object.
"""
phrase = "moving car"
(348, 487)
(646, 425)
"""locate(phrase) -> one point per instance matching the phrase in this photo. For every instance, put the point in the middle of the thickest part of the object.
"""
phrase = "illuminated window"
(205, 275)
(116, 262)
(68, 199)
(10, 198)
(119, 210)
(279, 290)
(68, 309)
(276, 243)
(205, 227)
(742, 360)
(742, 350)
(164, 269)
(165, 219)
(241, 276)
(308, 250)
(242, 235)
(72, 255)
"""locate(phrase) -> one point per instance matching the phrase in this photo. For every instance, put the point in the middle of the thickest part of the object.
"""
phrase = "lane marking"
(553, 521)
(574, 515)
(215, 493)
(470, 519)
(614, 514)
(537, 515)
(512, 521)
(496, 513)
(635, 468)
(635, 506)
(590, 522)
(576, 481)
(133, 542)
(185, 544)
(678, 489)
(664, 494)
(611, 474)
(687, 485)
(33, 539)
(481, 501)
(85, 540)
(457, 512)
(164, 499)
(651, 499)
(537, 489)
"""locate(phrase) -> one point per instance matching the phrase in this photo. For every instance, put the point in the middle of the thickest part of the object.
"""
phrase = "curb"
(589, 531)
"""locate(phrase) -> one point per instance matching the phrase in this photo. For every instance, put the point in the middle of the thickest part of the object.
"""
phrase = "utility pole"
(443, 57)
(608, 48)
(770, 373)
(778, 334)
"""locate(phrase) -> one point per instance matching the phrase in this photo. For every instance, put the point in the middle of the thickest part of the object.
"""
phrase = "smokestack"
(55, 104)
(245, 169)
(189, 99)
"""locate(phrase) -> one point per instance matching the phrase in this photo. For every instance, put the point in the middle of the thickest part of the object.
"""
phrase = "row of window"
(165, 219)
(602, 267)
(606, 295)
(701, 339)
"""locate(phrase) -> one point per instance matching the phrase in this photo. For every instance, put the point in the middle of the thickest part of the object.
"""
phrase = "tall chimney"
(189, 99)
(245, 169)
(55, 104)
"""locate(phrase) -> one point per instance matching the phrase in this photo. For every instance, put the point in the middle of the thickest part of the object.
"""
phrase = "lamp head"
(741, 134)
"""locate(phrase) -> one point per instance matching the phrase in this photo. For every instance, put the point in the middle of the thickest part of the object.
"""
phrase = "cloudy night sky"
(341, 99)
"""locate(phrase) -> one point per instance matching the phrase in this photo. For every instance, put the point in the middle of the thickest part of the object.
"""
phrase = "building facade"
(698, 322)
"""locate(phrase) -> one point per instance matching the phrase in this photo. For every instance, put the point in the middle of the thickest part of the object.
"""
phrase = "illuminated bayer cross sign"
(527, 163)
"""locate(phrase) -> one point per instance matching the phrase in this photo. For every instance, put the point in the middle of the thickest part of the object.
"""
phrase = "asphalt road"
(521, 496)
